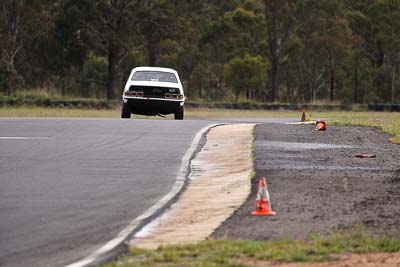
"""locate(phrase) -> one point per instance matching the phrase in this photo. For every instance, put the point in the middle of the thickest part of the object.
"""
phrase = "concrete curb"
(219, 184)
(118, 246)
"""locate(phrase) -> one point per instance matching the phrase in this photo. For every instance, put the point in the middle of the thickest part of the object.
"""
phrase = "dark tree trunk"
(153, 56)
(278, 18)
(393, 83)
(381, 54)
(333, 83)
(201, 92)
(300, 96)
(311, 85)
(61, 78)
(8, 89)
(111, 71)
(288, 93)
(63, 93)
(274, 52)
(237, 97)
(356, 81)
(274, 77)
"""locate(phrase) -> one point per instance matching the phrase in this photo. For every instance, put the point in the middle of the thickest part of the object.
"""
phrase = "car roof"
(154, 69)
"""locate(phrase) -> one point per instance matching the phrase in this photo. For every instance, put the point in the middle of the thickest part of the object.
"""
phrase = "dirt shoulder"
(367, 260)
(318, 186)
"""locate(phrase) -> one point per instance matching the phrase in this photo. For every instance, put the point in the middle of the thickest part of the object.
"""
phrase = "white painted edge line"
(24, 138)
(177, 187)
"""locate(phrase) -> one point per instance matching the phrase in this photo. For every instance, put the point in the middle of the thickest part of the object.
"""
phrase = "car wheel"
(125, 112)
(179, 114)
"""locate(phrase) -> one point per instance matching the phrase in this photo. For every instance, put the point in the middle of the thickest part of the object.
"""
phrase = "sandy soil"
(318, 186)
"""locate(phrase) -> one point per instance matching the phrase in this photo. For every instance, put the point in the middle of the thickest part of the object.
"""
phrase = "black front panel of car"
(152, 107)
(154, 91)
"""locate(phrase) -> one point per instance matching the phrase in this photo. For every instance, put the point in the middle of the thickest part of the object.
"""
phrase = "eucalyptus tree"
(279, 17)
(116, 27)
(12, 32)
(377, 23)
(244, 73)
(386, 29)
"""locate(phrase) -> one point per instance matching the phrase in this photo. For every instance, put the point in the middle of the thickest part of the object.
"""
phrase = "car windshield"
(154, 76)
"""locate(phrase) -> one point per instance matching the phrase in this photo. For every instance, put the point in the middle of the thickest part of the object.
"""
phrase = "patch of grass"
(235, 113)
(32, 111)
(387, 121)
(235, 253)
(252, 175)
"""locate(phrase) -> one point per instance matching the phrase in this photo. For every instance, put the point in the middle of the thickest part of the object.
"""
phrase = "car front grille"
(154, 91)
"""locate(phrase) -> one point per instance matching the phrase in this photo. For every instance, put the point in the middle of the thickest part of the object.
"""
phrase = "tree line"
(293, 51)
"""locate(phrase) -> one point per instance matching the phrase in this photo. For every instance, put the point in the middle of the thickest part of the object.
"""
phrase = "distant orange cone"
(320, 126)
(263, 207)
(303, 117)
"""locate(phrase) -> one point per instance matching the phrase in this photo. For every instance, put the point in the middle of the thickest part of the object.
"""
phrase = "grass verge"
(27, 111)
(387, 121)
(246, 253)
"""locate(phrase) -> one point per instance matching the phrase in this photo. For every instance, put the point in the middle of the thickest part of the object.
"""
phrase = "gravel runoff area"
(318, 186)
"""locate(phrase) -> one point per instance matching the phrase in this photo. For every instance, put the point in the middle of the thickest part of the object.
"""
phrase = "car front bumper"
(152, 106)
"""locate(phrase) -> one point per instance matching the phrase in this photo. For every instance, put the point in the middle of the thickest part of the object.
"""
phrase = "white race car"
(153, 91)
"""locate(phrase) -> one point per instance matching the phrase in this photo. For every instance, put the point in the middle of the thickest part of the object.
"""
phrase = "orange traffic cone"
(263, 207)
(321, 126)
(303, 117)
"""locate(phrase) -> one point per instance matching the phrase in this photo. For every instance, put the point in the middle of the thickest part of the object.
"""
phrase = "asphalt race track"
(67, 186)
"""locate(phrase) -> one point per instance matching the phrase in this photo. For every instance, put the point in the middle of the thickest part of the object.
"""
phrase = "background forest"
(294, 51)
